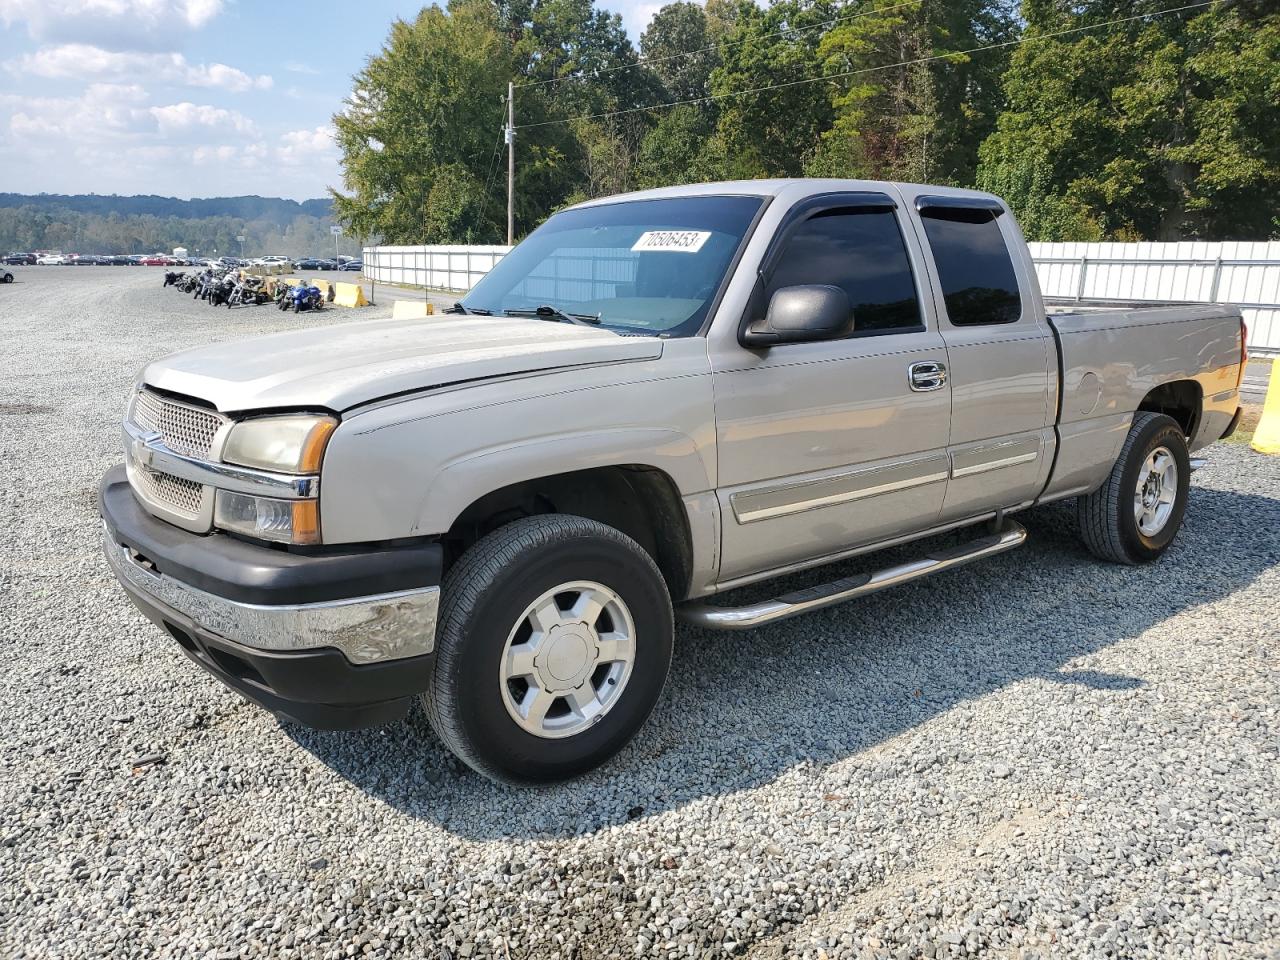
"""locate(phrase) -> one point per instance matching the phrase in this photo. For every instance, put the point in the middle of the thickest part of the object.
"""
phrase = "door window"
(863, 253)
(979, 284)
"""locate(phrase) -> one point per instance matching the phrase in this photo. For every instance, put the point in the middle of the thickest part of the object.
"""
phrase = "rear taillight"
(1244, 351)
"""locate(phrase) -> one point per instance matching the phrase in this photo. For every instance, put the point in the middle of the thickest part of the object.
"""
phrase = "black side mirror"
(800, 314)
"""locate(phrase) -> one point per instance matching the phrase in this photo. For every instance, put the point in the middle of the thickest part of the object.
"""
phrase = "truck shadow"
(739, 710)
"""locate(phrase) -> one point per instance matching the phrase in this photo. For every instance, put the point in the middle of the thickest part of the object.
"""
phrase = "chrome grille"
(182, 496)
(183, 429)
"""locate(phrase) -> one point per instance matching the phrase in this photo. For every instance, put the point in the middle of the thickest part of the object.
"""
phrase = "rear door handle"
(927, 375)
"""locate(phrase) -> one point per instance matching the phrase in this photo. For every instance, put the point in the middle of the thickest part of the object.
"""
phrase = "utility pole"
(511, 162)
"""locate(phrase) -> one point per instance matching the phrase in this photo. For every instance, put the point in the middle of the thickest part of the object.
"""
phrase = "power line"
(645, 61)
(864, 70)
(493, 163)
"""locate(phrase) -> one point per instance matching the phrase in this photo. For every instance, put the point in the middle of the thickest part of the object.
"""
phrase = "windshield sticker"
(671, 241)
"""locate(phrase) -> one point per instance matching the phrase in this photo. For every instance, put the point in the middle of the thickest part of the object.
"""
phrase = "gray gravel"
(1037, 756)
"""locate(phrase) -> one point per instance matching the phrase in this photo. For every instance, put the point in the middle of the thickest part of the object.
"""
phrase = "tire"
(1108, 517)
(471, 702)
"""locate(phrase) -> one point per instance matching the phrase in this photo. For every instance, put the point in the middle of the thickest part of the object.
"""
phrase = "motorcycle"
(304, 297)
(220, 289)
(173, 277)
(247, 290)
(299, 298)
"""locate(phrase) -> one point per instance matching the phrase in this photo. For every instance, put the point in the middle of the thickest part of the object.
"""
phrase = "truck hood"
(342, 366)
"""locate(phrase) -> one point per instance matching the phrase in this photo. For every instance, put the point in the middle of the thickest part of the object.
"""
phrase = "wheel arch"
(1183, 400)
(640, 500)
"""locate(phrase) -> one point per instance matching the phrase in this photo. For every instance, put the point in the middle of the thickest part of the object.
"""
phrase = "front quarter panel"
(409, 467)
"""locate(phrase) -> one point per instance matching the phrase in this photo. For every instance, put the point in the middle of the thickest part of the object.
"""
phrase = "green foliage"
(1162, 128)
(1159, 127)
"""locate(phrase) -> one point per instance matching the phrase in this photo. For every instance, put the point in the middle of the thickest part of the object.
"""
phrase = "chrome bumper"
(366, 629)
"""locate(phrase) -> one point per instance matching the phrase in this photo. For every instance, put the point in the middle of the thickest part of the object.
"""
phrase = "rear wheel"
(553, 644)
(1134, 516)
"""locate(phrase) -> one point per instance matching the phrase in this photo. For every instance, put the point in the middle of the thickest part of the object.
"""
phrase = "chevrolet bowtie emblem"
(143, 453)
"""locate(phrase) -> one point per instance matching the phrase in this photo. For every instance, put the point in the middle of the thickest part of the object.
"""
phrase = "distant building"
(180, 252)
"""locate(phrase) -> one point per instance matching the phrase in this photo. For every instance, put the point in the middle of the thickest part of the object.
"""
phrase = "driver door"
(827, 446)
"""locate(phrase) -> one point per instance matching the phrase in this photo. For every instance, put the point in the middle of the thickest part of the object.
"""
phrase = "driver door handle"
(927, 375)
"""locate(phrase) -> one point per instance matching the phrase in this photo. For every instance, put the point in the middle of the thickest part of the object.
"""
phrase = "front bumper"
(333, 640)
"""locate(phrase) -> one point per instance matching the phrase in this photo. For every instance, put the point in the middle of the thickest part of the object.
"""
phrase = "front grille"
(182, 496)
(183, 429)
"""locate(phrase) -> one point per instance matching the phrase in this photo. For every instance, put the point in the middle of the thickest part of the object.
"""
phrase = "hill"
(272, 209)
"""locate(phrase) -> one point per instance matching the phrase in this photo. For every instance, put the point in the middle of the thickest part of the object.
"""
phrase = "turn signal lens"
(266, 518)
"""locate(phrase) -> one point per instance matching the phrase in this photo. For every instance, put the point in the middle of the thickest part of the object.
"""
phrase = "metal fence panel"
(1243, 273)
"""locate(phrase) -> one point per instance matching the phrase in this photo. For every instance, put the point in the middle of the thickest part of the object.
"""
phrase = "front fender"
(462, 482)
(410, 467)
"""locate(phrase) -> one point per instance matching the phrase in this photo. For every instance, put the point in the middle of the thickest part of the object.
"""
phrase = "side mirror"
(800, 314)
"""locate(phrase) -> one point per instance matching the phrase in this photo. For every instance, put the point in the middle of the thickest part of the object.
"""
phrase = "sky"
(187, 98)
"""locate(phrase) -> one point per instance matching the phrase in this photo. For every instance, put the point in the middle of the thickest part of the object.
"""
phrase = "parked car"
(777, 374)
(315, 263)
(20, 259)
(356, 265)
(53, 259)
(87, 260)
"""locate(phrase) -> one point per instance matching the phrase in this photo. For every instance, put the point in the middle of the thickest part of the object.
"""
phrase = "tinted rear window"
(978, 281)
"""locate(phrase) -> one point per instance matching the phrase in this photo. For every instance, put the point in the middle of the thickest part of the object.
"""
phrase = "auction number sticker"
(671, 241)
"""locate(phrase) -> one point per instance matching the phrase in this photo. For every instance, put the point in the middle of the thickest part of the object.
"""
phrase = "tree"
(1161, 128)
(677, 47)
(427, 108)
(772, 113)
(910, 102)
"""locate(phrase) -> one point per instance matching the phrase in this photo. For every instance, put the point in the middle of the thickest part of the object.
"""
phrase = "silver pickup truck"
(653, 399)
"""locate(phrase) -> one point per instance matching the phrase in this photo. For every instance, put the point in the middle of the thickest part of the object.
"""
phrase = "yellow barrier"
(412, 310)
(1266, 438)
(349, 295)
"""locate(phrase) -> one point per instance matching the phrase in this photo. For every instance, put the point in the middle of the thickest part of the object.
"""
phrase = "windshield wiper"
(548, 312)
(459, 308)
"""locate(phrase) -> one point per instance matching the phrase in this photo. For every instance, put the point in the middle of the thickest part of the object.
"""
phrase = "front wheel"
(1134, 516)
(552, 646)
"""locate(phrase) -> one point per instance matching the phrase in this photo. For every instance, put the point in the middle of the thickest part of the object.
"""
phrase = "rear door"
(1001, 355)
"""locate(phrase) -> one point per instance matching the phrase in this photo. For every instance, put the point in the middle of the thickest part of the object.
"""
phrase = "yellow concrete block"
(410, 310)
(1266, 439)
(349, 295)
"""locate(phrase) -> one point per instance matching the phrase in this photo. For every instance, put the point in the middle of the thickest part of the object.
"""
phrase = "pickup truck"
(653, 399)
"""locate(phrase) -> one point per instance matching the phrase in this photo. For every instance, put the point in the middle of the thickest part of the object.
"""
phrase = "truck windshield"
(641, 266)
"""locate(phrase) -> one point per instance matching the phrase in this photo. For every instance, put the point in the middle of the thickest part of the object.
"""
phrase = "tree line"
(269, 226)
(1096, 119)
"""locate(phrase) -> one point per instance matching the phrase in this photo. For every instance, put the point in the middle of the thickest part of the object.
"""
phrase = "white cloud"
(112, 113)
(115, 24)
(294, 67)
(178, 118)
(306, 146)
(83, 61)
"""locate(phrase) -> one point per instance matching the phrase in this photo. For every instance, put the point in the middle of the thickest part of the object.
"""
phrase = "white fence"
(443, 267)
(1245, 274)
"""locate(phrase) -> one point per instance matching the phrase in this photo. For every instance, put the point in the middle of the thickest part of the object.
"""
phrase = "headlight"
(288, 444)
(266, 518)
(292, 443)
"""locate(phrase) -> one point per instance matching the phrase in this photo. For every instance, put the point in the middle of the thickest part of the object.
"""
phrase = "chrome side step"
(703, 614)
(1197, 463)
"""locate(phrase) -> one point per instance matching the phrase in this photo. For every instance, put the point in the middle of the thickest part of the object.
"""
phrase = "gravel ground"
(1037, 756)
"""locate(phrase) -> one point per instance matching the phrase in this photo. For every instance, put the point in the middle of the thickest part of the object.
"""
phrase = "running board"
(703, 614)
(1197, 463)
